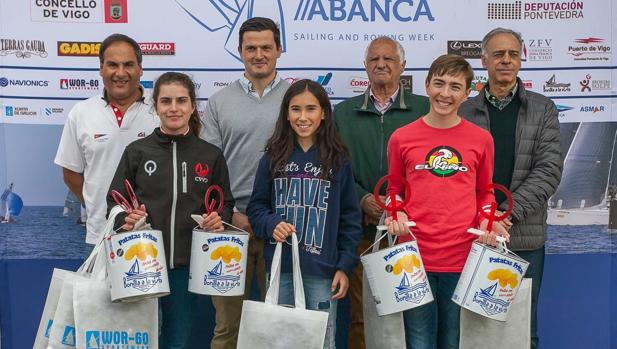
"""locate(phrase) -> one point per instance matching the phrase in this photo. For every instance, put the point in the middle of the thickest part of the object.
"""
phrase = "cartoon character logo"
(135, 278)
(443, 161)
(216, 277)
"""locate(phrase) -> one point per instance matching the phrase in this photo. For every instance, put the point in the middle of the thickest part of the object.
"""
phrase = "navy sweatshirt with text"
(326, 213)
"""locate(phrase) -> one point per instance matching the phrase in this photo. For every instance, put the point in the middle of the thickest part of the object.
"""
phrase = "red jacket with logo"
(448, 172)
(162, 168)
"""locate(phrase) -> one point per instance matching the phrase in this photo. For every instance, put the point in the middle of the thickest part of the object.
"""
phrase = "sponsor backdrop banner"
(48, 62)
(49, 48)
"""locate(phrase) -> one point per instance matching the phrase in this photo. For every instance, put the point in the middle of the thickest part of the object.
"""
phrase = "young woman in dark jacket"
(170, 171)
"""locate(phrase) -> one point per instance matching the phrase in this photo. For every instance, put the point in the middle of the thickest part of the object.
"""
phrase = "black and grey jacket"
(170, 176)
(537, 166)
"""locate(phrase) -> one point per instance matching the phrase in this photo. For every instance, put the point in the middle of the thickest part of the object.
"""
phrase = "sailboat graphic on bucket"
(219, 281)
(141, 281)
(488, 302)
(406, 292)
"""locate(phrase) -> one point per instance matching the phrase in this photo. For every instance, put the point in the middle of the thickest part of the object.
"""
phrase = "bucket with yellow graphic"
(397, 278)
(136, 265)
(489, 281)
(218, 263)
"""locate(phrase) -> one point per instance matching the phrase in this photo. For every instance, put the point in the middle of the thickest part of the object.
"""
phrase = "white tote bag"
(57, 325)
(380, 332)
(268, 325)
(51, 304)
(99, 323)
(480, 332)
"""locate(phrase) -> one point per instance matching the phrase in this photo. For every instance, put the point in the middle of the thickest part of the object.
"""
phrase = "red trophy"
(491, 216)
(393, 205)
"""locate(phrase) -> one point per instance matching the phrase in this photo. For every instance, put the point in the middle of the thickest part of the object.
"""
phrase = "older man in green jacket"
(365, 123)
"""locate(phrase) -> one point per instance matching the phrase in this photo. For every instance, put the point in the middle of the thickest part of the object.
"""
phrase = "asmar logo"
(367, 11)
(592, 109)
(443, 161)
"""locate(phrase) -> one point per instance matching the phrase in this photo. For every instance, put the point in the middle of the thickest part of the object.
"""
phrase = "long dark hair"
(185, 81)
(280, 146)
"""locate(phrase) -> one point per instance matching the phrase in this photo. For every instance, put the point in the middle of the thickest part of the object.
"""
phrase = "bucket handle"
(381, 229)
(501, 241)
(197, 218)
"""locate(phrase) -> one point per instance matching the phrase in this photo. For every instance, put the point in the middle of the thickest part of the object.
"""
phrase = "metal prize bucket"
(136, 265)
(397, 278)
(218, 263)
(489, 281)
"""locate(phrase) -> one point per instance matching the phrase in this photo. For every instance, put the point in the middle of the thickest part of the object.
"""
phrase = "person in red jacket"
(448, 164)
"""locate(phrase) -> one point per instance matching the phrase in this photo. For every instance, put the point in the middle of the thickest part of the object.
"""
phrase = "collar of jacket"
(521, 93)
(399, 102)
(163, 138)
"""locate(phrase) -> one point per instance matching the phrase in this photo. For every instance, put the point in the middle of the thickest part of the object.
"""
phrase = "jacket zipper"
(184, 177)
(172, 225)
(381, 150)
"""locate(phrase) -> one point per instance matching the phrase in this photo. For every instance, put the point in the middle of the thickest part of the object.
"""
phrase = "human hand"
(282, 231)
(241, 221)
(371, 208)
(490, 238)
(136, 215)
(398, 227)
(340, 281)
(506, 222)
(212, 222)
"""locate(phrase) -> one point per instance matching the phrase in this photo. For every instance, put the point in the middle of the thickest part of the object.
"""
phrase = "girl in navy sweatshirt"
(304, 185)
